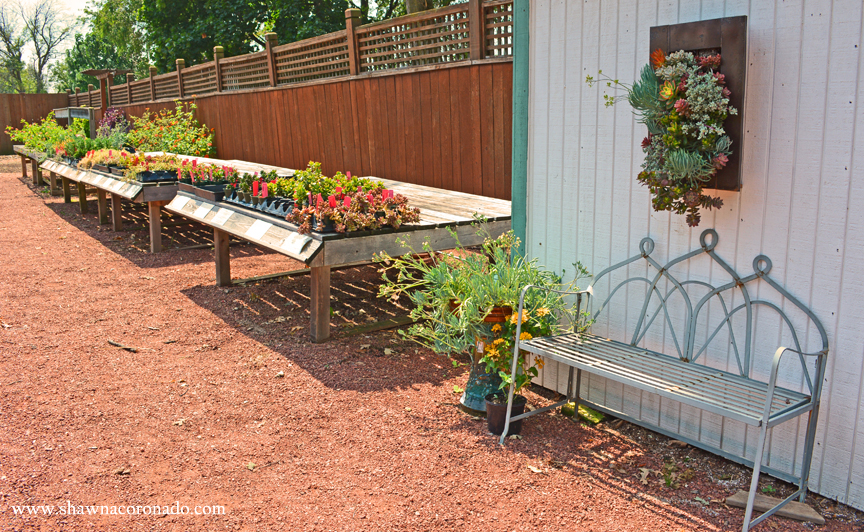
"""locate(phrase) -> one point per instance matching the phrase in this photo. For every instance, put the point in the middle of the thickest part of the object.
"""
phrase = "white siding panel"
(803, 174)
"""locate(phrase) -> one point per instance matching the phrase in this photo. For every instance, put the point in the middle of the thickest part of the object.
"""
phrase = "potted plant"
(463, 302)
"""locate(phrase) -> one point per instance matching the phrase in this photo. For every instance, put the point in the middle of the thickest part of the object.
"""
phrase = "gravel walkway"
(224, 401)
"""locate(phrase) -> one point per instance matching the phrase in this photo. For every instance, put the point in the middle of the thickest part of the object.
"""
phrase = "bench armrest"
(815, 387)
(578, 293)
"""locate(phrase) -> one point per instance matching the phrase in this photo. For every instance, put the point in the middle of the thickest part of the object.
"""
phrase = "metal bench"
(735, 395)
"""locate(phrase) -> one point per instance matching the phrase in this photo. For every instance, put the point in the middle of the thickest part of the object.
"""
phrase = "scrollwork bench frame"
(735, 395)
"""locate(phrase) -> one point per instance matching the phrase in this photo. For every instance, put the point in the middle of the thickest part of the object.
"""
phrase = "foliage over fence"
(464, 32)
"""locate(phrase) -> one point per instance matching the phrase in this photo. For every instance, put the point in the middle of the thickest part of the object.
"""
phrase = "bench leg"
(116, 213)
(24, 167)
(52, 181)
(754, 482)
(221, 241)
(82, 197)
(103, 206)
(155, 210)
(67, 190)
(320, 304)
(37, 174)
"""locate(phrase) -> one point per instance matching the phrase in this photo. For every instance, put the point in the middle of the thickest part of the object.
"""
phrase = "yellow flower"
(542, 311)
(496, 328)
(492, 352)
(499, 341)
(512, 319)
(539, 362)
(525, 336)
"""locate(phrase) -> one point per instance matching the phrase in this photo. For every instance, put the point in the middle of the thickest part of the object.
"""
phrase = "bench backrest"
(662, 287)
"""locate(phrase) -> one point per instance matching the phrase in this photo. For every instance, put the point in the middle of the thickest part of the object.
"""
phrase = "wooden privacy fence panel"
(245, 72)
(448, 128)
(200, 79)
(167, 86)
(29, 107)
(322, 57)
(498, 28)
(420, 39)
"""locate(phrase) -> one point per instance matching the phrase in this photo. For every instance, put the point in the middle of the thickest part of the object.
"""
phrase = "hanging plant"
(683, 101)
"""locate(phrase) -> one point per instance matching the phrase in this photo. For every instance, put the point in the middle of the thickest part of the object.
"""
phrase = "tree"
(11, 52)
(88, 52)
(46, 31)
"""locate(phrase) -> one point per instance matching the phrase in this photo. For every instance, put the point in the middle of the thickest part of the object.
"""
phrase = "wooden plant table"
(155, 195)
(32, 158)
(440, 210)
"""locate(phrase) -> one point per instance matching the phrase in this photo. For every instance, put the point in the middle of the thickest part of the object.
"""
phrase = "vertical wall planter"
(728, 36)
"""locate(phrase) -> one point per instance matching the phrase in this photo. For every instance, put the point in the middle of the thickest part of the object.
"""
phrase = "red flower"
(658, 58)
(646, 142)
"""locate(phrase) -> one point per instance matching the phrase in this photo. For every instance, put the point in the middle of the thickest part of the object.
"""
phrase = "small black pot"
(326, 225)
(496, 414)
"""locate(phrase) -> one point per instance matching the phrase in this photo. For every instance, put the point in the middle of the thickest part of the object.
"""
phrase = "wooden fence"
(466, 32)
(29, 107)
(447, 127)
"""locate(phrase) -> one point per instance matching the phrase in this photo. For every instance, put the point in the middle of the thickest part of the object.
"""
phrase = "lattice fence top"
(432, 37)
(412, 41)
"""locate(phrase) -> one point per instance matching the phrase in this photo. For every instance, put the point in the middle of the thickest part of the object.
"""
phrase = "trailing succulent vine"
(683, 101)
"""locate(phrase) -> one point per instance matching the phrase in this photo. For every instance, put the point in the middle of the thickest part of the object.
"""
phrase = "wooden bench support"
(221, 246)
(52, 182)
(116, 213)
(154, 208)
(23, 167)
(37, 173)
(67, 192)
(320, 303)
(102, 200)
(82, 198)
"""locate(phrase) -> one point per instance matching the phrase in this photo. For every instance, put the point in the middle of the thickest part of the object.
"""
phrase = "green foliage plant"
(170, 131)
(42, 136)
(453, 294)
(683, 101)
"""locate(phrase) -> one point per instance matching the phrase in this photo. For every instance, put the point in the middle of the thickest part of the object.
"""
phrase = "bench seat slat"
(708, 388)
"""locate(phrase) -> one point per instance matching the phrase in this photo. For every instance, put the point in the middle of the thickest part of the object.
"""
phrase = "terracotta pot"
(498, 315)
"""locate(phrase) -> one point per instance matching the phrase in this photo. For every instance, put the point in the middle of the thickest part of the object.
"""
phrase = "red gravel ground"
(360, 433)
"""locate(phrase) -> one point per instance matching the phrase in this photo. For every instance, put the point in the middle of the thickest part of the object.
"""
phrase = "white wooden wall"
(801, 203)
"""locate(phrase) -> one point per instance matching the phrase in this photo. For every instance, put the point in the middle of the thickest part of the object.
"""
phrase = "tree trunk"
(416, 6)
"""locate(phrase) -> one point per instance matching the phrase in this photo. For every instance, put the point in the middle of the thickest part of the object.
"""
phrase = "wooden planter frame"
(729, 35)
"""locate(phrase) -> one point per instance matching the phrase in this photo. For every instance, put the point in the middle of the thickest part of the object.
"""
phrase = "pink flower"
(720, 161)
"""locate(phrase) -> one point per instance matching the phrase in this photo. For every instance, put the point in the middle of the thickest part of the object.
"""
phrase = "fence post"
(152, 83)
(352, 20)
(272, 40)
(218, 54)
(129, 79)
(69, 98)
(90, 89)
(477, 29)
(77, 96)
(181, 64)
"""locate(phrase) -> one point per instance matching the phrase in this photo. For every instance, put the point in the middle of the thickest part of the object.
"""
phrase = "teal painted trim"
(519, 158)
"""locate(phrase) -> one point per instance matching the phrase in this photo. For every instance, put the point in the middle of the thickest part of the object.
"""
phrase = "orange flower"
(658, 58)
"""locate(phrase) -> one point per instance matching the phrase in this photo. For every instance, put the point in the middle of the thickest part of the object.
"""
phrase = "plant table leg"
(155, 210)
(82, 197)
(223, 257)
(67, 192)
(116, 213)
(37, 174)
(52, 180)
(320, 304)
(103, 206)
(24, 167)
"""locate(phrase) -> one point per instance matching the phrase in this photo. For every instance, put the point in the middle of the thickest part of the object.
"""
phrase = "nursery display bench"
(440, 211)
(155, 195)
(742, 392)
(32, 158)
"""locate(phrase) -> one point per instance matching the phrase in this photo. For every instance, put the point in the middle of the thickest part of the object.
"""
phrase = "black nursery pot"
(496, 414)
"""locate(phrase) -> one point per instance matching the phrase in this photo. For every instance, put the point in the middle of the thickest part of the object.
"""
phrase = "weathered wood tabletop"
(440, 212)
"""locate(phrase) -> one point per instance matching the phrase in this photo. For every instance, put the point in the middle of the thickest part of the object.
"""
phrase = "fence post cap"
(130, 76)
(271, 37)
(218, 49)
(152, 70)
(353, 12)
(68, 91)
(90, 86)
(181, 63)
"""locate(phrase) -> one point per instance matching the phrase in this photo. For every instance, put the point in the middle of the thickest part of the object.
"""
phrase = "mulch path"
(226, 402)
